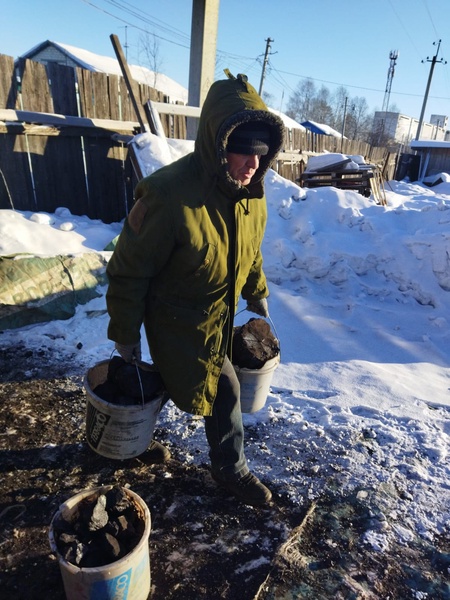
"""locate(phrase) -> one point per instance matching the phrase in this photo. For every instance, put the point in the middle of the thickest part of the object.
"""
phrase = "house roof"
(430, 144)
(288, 122)
(321, 129)
(106, 64)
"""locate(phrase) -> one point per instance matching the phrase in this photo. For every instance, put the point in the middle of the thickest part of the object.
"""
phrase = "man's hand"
(260, 307)
(129, 352)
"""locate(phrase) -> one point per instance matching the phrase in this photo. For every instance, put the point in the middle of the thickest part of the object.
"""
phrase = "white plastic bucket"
(255, 384)
(115, 430)
(127, 578)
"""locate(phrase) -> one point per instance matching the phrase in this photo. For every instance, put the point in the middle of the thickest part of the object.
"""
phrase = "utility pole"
(266, 60)
(430, 76)
(343, 123)
(202, 61)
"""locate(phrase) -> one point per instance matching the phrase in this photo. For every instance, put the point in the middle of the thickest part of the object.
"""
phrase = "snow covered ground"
(360, 299)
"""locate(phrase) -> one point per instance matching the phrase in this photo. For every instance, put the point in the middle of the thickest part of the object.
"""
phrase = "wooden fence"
(74, 153)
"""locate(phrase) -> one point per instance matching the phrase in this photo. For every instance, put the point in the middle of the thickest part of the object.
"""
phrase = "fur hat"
(250, 138)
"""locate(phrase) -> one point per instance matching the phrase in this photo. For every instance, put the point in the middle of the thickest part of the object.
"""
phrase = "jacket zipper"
(232, 289)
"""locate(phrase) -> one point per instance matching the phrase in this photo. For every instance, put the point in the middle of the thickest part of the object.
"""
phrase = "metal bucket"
(115, 430)
(127, 578)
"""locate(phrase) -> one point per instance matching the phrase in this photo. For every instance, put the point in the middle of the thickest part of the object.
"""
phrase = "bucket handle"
(140, 382)
(268, 318)
(136, 364)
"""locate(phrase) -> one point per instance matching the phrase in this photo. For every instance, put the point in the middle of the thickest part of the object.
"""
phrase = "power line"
(405, 29)
(431, 18)
(222, 62)
(149, 19)
(356, 86)
(136, 26)
(230, 57)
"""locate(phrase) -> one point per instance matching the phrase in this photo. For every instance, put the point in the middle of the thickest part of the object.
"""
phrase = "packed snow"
(360, 301)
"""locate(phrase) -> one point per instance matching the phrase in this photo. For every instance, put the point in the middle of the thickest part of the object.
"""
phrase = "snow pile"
(359, 296)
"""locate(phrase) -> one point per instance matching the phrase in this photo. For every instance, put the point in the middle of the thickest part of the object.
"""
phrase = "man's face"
(242, 167)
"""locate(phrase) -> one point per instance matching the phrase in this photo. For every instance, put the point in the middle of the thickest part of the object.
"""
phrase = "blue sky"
(333, 42)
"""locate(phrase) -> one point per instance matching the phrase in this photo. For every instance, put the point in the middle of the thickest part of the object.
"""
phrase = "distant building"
(439, 120)
(434, 157)
(395, 127)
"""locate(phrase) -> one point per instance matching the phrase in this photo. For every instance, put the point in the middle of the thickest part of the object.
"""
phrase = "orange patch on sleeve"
(136, 216)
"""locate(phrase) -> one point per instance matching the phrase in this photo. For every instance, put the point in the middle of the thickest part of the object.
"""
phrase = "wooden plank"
(35, 90)
(57, 176)
(135, 162)
(72, 131)
(16, 190)
(125, 105)
(108, 199)
(8, 83)
(63, 89)
(58, 173)
(85, 93)
(114, 97)
(99, 82)
(147, 93)
(131, 84)
(176, 109)
(179, 125)
(293, 157)
(154, 120)
(80, 125)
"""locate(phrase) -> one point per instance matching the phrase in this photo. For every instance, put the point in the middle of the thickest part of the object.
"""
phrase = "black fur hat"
(250, 138)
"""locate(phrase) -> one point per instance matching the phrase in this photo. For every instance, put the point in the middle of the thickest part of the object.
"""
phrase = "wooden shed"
(434, 157)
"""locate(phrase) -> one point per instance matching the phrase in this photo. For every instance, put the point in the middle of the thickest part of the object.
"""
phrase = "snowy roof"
(106, 64)
(321, 129)
(429, 144)
(288, 122)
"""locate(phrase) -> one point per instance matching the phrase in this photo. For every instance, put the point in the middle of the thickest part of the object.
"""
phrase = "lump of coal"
(99, 517)
(103, 529)
(117, 501)
(129, 384)
(254, 344)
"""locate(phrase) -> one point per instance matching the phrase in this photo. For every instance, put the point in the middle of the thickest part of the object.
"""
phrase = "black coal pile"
(254, 344)
(103, 529)
(129, 384)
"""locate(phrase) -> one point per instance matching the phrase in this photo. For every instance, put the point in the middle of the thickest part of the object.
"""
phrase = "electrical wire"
(404, 28)
(187, 45)
(235, 60)
(431, 18)
(149, 19)
(346, 85)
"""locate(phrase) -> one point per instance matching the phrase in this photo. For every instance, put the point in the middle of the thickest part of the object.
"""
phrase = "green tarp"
(35, 289)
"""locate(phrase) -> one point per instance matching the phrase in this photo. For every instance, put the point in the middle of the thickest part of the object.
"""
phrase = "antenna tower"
(393, 55)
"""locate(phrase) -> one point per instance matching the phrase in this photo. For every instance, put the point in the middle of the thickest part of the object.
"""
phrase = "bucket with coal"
(255, 355)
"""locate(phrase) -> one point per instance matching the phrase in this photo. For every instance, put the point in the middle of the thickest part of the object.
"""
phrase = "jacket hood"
(229, 103)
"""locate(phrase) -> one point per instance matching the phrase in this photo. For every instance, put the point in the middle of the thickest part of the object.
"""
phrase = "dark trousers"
(224, 429)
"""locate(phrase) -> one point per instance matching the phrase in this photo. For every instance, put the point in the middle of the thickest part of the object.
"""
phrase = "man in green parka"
(190, 247)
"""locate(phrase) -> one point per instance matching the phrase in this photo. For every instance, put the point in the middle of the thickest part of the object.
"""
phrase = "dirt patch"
(203, 544)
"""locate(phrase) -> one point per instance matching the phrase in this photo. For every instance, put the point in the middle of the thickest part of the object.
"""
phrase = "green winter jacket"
(189, 248)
